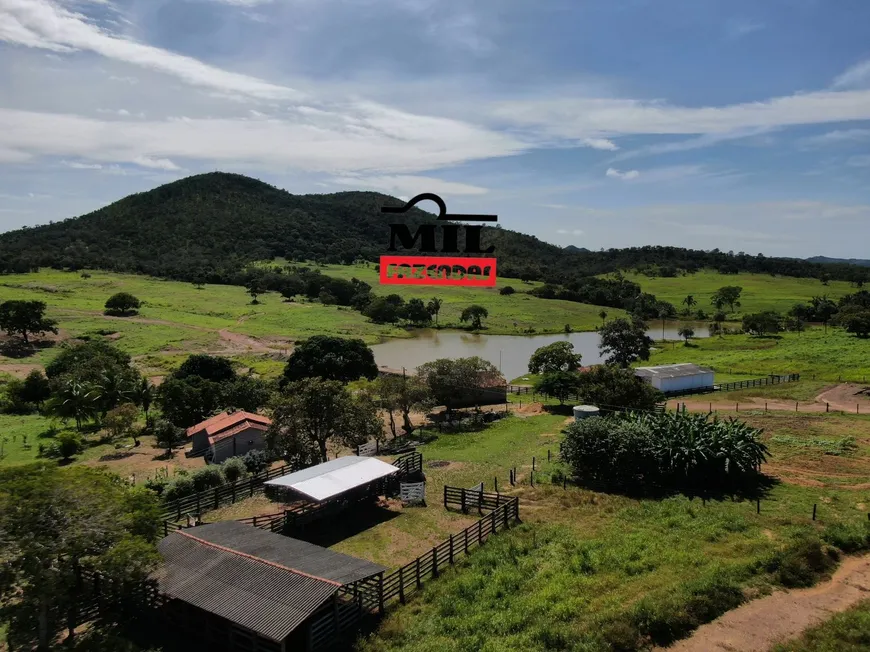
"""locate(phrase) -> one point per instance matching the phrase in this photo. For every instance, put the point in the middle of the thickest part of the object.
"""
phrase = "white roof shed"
(677, 377)
(335, 477)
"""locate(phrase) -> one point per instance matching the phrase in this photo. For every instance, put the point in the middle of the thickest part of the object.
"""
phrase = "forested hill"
(209, 226)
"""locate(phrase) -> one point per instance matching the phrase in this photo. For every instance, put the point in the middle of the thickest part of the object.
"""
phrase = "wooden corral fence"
(225, 494)
(376, 593)
(739, 384)
(98, 597)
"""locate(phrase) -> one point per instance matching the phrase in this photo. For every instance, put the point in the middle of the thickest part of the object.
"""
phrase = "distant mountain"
(210, 226)
(824, 260)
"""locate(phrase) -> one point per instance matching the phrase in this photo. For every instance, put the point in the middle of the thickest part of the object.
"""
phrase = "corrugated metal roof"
(207, 567)
(335, 477)
(235, 430)
(672, 370)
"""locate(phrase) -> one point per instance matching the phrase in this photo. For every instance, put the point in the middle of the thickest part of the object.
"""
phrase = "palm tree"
(74, 400)
(690, 303)
(434, 307)
(113, 389)
(144, 396)
(603, 315)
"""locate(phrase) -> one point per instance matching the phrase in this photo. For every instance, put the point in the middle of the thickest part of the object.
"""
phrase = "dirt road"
(758, 625)
(845, 397)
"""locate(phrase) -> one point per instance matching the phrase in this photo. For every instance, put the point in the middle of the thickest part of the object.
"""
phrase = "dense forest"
(208, 227)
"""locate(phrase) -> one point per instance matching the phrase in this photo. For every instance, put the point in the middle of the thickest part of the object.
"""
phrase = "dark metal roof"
(263, 581)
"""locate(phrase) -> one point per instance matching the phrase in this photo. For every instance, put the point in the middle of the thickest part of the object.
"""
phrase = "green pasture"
(814, 354)
(760, 291)
(586, 567)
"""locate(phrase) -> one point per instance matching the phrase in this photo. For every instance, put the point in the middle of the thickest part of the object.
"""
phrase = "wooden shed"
(228, 435)
(236, 587)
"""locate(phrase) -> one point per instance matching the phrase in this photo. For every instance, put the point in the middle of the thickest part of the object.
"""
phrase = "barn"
(674, 378)
(227, 435)
(233, 588)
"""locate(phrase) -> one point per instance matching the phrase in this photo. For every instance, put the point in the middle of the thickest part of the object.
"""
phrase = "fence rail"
(739, 384)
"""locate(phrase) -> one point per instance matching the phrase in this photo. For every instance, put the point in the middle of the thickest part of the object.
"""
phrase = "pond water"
(510, 353)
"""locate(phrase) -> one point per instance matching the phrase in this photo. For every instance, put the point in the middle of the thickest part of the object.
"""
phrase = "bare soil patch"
(19, 370)
(762, 623)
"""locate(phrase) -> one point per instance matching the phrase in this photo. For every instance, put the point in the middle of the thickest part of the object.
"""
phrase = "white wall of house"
(683, 383)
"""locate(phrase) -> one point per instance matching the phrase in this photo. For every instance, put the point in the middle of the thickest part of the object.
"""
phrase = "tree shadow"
(352, 521)
(753, 486)
(16, 348)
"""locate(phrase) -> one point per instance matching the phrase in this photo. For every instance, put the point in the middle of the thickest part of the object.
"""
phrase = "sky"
(733, 124)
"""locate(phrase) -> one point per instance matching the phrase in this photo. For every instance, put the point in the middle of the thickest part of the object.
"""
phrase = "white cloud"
(601, 143)
(244, 3)
(735, 29)
(363, 138)
(155, 163)
(858, 76)
(862, 161)
(625, 176)
(836, 137)
(581, 118)
(576, 232)
(409, 185)
(78, 165)
(47, 25)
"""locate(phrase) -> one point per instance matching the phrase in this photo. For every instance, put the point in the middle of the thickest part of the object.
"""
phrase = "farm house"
(235, 587)
(672, 378)
(227, 435)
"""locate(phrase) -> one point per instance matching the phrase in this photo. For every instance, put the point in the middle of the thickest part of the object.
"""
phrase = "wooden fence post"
(445, 496)
(533, 463)
(465, 531)
(493, 514)
(450, 552)
(401, 584)
(480, 503)
(419, 581)
(495, 483)
(814, 511)
(435, 561)
(381, 593)
(480, 532)
(464, 506)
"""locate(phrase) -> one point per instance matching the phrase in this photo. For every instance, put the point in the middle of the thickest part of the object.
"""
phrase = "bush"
(234, 469)
(255, 461)
(180, 487)
(207, 477)
(801, 563)
(68, 444)
(848, 538)
(673, 450)
(507, 290)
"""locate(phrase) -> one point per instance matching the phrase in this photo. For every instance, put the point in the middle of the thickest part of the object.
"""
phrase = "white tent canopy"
(335, 477)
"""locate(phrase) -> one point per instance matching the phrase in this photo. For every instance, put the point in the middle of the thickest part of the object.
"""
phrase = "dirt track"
(758, 625)
(841, 398)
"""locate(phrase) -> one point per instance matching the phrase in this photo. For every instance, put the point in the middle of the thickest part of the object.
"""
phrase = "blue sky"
(739, 125)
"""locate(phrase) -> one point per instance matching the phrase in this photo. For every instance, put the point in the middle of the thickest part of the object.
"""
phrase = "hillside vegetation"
(212, 225)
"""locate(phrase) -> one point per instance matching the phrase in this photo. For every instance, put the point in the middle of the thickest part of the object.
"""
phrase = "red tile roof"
(235, 430)
(224, 420)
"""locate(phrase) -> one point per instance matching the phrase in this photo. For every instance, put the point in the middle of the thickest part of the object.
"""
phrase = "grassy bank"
(844, 632)
(812, 353)
(760, 291)
(594, 571)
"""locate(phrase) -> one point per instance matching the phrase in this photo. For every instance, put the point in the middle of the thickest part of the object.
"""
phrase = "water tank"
(585, 411)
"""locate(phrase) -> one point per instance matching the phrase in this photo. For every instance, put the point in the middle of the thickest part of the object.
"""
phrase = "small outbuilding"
(227, 435)
(337, 478)
(234, 587)
(672, 378)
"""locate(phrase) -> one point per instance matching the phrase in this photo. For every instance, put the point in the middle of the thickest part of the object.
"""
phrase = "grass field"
(844, 632)
(588, 566)
(760, 291)
(813, 353)
(177, 319)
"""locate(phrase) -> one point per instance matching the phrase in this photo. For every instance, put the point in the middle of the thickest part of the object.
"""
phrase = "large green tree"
(53, 522)
(450, 380)
(25, 318)
(558, 356)
(763, 323)
(474, 314)
(404, 394)
(122, 304)
(331, 358)
(625, 341)
(608, 386)
(560, 384)
(313, 413)
(728, 295)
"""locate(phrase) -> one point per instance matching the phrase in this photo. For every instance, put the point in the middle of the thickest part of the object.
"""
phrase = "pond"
(510, 353)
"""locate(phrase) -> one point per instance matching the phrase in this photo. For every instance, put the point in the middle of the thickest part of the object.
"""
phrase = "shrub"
(207, 477)
(68, 444)
(234, 469)
(180, 487)
(848, 538)
(507, 290)
(801, 563)
(255, 461)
